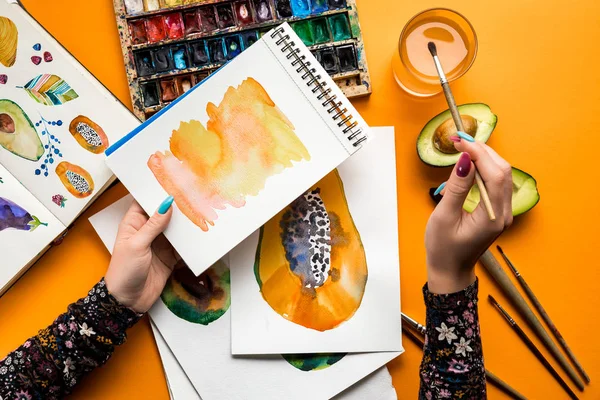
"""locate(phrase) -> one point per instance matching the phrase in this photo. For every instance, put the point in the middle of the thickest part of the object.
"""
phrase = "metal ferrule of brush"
(440, 70)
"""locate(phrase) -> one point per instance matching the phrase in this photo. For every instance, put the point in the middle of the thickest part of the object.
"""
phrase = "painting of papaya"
(200, 300)
(310, 262)
(247, 139)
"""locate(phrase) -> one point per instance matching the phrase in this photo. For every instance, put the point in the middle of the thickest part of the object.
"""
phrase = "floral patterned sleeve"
(49, 365)
(452, 366)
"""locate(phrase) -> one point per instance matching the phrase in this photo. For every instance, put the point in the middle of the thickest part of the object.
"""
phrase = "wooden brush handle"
(508, 288)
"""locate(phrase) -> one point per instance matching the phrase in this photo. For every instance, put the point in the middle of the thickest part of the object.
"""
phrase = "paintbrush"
(459, 126)
(495, 270)
(533, 348)
(545, 316)
(493, 379)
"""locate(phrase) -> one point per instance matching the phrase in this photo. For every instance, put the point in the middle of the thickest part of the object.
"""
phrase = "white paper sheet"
(18, 243)
(369, 183)
(311, 125)
(94, 102)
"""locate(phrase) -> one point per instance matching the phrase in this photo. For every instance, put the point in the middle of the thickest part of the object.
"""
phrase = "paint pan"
(168, 89)
(216, 50)
(151, 5)
(198, 53)
(137, 30)
(170, 3)
(249, 38)
(150, 94)
(134, 6)
(144, 64)
(201, 76)
(233, 44)
(174, 24)
(243, 12)
(328, 59)
(191, 21)
(340, 27)
(319, 30)
(347, 58)
(319, 6)
(184, 83)
(180, 57)
(337, 4)
(284, 8)
(225, 17)
(262, 10)
(301, 8)
(163, 59)
(208, 18)
(155, 29)
(303, 30)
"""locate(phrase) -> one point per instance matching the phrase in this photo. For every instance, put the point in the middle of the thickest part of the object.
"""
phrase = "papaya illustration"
(13, 216)
(88, 134)
(313, 362)
(310, 263)
(9, 36)
(75, 179)
(200, 300)
(17, 133)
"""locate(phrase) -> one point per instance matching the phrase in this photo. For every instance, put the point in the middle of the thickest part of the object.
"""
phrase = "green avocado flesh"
(525, 194)
(17, 133)
(486, 122)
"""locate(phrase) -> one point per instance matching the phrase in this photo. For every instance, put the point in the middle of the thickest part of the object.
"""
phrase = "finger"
(458, 186)
(508, 184)
(134, 219)
(156, 224)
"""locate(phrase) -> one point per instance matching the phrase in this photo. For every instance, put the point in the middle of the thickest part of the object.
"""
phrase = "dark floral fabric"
(452, 366)
(49, 365)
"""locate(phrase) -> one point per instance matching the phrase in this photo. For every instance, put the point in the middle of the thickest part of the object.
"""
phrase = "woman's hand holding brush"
(455, 239)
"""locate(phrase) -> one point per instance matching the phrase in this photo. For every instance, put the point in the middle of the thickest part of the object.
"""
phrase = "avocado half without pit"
(434, 145)
(525, 194)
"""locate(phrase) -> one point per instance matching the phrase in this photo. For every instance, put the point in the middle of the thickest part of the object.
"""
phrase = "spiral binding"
(330, 102)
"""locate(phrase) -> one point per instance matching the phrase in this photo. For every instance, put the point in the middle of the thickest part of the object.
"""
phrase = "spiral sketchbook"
(238, 148)
(56, 120)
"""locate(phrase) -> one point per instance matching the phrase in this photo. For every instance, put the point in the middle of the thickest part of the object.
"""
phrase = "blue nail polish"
(165, 205)
(439, 189)
(465, 136)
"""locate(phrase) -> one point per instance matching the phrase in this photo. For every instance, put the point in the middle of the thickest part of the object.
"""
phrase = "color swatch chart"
(171, 45)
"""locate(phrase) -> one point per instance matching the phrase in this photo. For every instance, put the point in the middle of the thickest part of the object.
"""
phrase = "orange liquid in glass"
(456, 44)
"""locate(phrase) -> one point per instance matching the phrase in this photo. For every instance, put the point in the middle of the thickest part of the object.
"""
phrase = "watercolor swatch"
(246, 140)
(9, 36)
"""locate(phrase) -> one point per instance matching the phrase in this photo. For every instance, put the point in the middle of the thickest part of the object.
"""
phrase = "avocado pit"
(441, 136)
(7, 124)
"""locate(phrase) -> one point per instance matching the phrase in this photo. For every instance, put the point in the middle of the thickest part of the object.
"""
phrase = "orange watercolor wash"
(310, 262)
(247, 139)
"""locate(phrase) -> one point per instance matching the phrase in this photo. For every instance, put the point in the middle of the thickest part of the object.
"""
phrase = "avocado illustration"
(17, 133)
(16, 217)
(524, 197)
(434, 145)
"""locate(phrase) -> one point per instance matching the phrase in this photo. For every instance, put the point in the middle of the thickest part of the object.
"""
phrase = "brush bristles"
(432, 48)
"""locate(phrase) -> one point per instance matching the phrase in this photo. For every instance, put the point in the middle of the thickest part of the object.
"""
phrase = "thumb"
(458, 186)
(155, 224)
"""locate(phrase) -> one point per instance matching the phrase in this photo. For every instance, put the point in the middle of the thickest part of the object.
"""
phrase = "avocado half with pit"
(524, 197)
(434, 145)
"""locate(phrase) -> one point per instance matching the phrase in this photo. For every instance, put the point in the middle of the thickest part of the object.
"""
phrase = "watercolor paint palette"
(171, 45)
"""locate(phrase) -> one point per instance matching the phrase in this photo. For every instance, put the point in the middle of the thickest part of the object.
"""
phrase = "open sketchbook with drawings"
(56, 120)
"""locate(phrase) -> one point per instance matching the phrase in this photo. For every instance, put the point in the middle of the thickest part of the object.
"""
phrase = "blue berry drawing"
(51, 142)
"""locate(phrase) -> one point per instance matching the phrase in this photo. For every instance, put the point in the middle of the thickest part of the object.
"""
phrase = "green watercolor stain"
(319, 30)
(340, 27)
(313, 362)
(303, 30)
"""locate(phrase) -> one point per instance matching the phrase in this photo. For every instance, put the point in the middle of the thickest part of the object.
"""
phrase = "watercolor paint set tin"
(171, 45)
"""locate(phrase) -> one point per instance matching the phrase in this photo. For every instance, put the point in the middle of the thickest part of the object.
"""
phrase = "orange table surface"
(532, 69)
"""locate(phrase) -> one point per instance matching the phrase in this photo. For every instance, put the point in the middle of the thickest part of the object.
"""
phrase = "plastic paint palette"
(171, 45)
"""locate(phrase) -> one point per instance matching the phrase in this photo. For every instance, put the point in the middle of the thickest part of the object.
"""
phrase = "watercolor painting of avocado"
(322, 275)
(246, 140)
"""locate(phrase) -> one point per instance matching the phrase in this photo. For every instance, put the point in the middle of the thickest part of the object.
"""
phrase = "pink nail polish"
(455, 138)
(463, 167)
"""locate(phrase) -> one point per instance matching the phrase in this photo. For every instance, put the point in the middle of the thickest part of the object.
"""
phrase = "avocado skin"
(516, 212)
(494, 122)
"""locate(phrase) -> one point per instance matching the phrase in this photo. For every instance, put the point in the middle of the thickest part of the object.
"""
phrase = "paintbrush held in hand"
(459, 125)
